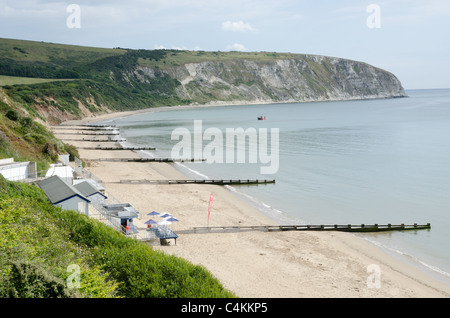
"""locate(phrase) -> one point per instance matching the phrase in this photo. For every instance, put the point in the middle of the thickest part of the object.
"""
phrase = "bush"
(32, 281)
(72, 151)
(12, 115)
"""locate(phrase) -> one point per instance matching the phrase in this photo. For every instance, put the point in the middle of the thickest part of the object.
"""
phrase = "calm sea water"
(374, 161)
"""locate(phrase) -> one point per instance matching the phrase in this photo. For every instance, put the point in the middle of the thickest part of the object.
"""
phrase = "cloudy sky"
(409, 38)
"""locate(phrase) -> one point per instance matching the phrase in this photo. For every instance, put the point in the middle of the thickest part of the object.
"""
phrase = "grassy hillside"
(180, 57)
(90, 80)
(6, 80)
(96, 80)
(48, 60)
(51, 55)
(38, 243)
(42, 83)
(23, 138)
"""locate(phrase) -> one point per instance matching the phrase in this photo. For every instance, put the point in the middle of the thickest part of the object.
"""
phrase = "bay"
(344, 162)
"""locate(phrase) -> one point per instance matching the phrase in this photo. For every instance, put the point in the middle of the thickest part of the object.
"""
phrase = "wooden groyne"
(97, 125)
(146, 160)
(307, 227)
(117, 148)
(97, 140)
(88, 133)
(83, 128)
(216, 182)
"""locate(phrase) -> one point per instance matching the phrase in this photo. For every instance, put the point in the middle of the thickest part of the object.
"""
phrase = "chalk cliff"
(306, 78)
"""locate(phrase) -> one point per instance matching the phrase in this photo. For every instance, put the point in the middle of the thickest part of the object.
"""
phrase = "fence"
(100, 213)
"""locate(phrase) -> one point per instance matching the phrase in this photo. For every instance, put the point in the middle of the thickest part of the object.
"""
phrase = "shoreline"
(113, 115)
(293, 264)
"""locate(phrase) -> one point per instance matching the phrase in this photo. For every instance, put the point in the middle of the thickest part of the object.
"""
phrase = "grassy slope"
(55, 54)
(6, 80)
(103, 79)
(38, 243)
(24, 139)
(179, 57)
(97, 76)
(71, 55)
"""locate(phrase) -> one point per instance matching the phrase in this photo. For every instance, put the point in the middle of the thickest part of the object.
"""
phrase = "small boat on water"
(262, 118)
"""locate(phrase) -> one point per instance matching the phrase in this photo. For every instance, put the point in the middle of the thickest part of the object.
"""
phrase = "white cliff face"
(307, 78)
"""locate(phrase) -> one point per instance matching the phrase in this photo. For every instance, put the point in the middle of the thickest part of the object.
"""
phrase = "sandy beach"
(254, 264)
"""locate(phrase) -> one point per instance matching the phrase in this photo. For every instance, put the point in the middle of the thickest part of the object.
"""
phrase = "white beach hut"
(16, 171)
(64, 172)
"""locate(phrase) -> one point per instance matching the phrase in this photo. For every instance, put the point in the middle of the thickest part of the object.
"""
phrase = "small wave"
(126, 144)
(264, 208)
(145, 154)
(195, 172)
(408, 256)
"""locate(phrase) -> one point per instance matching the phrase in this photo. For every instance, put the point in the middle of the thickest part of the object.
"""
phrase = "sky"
(409, 38)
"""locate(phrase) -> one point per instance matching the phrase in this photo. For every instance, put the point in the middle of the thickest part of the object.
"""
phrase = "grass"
(17, 80)
(58, 54)
(180, 57)
(24, 139)
(40, 242)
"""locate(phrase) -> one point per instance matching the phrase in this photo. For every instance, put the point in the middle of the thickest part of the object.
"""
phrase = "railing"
(104, 216)
(21, 178)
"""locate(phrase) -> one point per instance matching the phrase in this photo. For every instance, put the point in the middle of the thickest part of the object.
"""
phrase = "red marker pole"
(209, 209)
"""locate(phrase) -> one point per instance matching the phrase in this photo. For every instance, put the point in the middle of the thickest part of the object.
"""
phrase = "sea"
(378, 161)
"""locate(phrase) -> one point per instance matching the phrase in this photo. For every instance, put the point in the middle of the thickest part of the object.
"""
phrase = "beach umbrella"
(151, 221)
(165, 215)
(164, 222)
(153, 213)
(172, 219)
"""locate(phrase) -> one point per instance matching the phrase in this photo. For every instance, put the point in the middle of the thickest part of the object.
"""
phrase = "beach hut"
(64, 159)
(122, 215)
(16, 171)
(90, 192)
(94, 183)
(62, 194)
(64, 172)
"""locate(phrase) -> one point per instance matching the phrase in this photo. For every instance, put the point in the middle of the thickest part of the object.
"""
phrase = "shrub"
(32, 281)
(12, 115)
